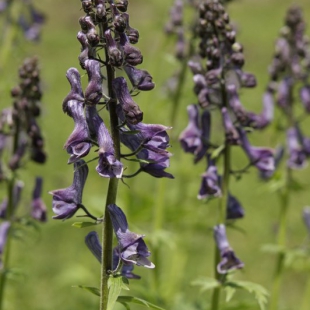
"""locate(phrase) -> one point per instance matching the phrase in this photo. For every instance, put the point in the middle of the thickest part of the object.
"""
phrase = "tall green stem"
(107, 229)
(222, 206)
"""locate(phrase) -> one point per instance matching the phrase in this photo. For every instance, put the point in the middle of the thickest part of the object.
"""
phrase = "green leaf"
(83, 224)
(126, 299)
(230, 292)
(273, 248)
(206, 283)
(260, 293)
(125, 305)
(115, 285)
(216, 153)
(92, 290)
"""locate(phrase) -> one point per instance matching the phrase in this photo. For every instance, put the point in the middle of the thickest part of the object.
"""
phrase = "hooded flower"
(153, 140)
(115, 55)
(283, 96)
(67, 201)
(229, 260)
(231, 132)
(108, 166)
(304, 94)
(132, 55)
(17, 192)
(279, 153)
(93, 243)
(210, 186)
(131, 247)
(38, 211)
(234, 208)
(195, 137)
(297, 156)
(93, 91)
(139, 79)
(261, 157)
(18, 155)
(131, 110)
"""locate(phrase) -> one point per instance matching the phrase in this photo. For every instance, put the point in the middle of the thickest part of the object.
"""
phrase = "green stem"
(281, 242)
(222, 206)
(305, 301)
(107, 229)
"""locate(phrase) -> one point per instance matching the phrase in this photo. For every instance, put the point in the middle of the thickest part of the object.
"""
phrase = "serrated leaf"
(115, 285)
(260, 293)
(206, 283)
(230, 292)
(217, 151)
(83, 224)
(139, 301)
(92, 290)
(273, 248)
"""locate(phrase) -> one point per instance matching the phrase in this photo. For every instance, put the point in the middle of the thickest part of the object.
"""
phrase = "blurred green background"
(177, 226)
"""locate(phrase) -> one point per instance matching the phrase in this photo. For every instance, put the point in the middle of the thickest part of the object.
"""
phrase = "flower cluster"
(217, 85)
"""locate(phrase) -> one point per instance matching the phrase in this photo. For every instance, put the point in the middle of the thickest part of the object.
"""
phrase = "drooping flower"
(278, 156)
(283, 95)
(15, 161)
(261, 157)
(131, 247)
(38, 210)
(93, 91)
(297, 156)
(93, 243)
(236, 105)
(132, 55)
(67, 201)
(115, 55)
(234, 209)
(139, 79)
(195, 137)
(231, 132)
(229, 261)
(210, 186)
(108, 166)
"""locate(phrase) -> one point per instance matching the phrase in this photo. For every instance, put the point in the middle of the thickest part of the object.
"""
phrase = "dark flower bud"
(86, 23)
(234, 209)
(297, 155)
(139, 79)
(132, 55)
(176, 13)
(132, 34)
(121, 5)
(210, 182)
(119, 22)
(38, 208)
(231, 132)
(196, 67)
(100, 10)
(92, 37)
(229, 260)
(180, 49)
(68, 200)
(78, 144)
(93, 92)
(108, 166)
(203, 98)
(200, 83)
(87, 6)
(304, 94)
(76, 92)
(213, 76)
(261, 157)
(132, 248)
(14, 163)
(246, 79)
(131, 110)
(84, 55)
(115, 55)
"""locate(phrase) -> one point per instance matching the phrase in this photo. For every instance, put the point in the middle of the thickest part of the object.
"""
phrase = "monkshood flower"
(297, 156)
(229, 261)
(149, 144)
(68, 200)
(140, 79)
(76, 92)
(261, 157)
(262, 120)
(236, 105)
(108, 166)
(115, 55)
(131, 110)
(210, 186)
(283, 94)
(234, 208)
(93, 243)
(132, 55)
(93, 91)
(38, 208)
(132, 249)
(304, 94)
(17, 157)
(231, 132)
(4, 229)
(195, 137)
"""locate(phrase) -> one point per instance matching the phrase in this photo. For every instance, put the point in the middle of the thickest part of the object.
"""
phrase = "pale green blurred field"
(176, 224)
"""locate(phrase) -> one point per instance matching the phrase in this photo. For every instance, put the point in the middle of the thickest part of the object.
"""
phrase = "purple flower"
(246, 79)
(231, 132)
(132, 55)
(304, 94)
(262, 120)
(297, 155)
(67, 201)
(279, 153)
(195, 137)
(132, 248)
(132, 34)
(139, 79)
(93, 243)
(76, 92)
(15, 161)
(261, 157)
(229, 260)
(234, 209)
(153, 140)
(93, 92)
(131, 110)
(108, 166)
(236, 106)
(210, 186)
(84, 55)
(115, 55)
(4, 230)
(38, 211)
(283, 96)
